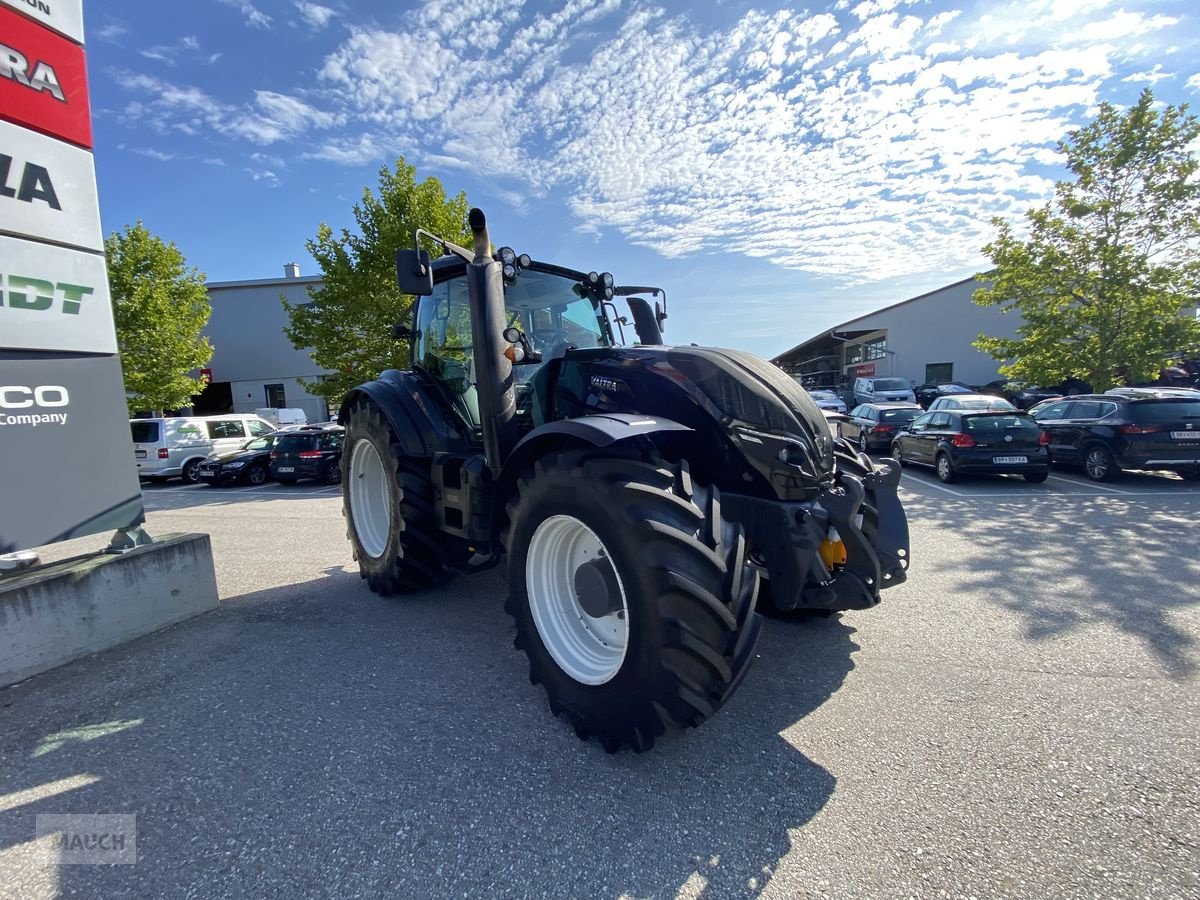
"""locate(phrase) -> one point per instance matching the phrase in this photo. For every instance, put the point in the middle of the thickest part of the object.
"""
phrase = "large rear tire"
(387, 499)
(632, 596)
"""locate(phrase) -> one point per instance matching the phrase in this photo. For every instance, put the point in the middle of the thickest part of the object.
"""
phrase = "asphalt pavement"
(1020, 719)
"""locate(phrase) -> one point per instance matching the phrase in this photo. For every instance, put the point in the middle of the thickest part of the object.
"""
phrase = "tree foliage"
(160, 307)
(347, 326)
(1111, 262)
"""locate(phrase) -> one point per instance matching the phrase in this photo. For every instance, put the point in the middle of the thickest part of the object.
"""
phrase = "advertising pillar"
(66, 457)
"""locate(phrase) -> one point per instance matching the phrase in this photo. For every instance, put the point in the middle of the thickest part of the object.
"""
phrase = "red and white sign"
(43, 80)
(47, 190)
(866, 370)
(64, 16)
(54, 298)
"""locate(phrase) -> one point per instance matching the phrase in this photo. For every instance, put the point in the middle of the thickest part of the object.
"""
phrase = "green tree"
(1111, 263)
(160, 307)
(347, 326)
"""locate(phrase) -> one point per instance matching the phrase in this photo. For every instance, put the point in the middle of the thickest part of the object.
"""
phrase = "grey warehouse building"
(254, 365)
(923, 339)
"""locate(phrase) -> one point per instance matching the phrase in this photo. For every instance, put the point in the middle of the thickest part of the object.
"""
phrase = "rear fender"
(417, 420)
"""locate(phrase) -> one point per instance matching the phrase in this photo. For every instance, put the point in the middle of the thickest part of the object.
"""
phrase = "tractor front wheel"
(631, 593)
(387, 499)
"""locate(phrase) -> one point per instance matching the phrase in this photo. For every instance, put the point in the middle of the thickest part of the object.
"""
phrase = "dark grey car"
(872, 426)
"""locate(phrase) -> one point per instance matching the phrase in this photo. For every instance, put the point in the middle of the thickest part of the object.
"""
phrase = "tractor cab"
(548, 310)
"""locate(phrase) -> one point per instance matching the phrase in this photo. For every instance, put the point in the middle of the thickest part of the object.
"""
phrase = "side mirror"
(414, 273)
(660, 315)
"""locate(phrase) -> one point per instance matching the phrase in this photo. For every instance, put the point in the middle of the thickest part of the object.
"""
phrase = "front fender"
(586, 431)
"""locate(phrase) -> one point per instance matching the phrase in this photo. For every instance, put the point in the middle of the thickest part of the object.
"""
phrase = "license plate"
(1010, 460)
(285, 468)
(1186, 435)
(140, 454)
(205, 474)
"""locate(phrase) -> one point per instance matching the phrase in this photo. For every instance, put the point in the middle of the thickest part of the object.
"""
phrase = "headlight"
(235, 465)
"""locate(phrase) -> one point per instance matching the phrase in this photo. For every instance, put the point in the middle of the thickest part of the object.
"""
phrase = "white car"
(828, 400)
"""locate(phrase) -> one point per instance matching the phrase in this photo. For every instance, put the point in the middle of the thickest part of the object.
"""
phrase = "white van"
(881, 390)
(175, 447)
(281, 417)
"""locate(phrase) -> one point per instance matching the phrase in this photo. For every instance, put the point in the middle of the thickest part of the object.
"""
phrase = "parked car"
(881, 390)
(249, 464)
(312, 451)
(1141, 393)
(175, 447)
(1023, 395)
(975, 442)
(970, 401)
(828, 400)
(872, 426)
(925, 394)
(1106, 433)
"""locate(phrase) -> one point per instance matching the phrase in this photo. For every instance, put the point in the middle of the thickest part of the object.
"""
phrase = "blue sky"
(777, 169)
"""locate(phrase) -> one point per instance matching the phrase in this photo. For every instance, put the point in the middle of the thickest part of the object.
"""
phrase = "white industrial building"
(254, 365)
(924, 339)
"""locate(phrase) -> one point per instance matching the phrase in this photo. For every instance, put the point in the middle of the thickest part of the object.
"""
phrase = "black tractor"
(638, 492)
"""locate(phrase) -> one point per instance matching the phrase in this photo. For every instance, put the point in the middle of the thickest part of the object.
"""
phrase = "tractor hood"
(730, 395)
(751, 391)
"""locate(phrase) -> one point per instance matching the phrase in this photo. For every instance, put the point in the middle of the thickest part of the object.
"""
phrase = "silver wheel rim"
(257, 475)
(943, 468)
(191, 471)
(1097, 464)
(590, 650)
(862, 442)
(369, 499)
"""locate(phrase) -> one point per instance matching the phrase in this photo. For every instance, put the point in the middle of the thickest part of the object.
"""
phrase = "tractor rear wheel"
(387, 499)
(631, 593)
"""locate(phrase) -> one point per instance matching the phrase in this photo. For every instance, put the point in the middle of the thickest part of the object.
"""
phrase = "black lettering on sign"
(35, 183)
(39, 77)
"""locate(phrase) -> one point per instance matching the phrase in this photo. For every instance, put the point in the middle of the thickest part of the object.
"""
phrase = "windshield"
(1019, 421)
(891, 384)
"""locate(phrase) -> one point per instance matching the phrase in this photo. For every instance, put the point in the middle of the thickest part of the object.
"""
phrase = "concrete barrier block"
(66, 610)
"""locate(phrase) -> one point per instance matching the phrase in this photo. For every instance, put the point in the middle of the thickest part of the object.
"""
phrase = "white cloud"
(254, 16)
(1153, 76)
(1124, 25)
(269, 178)
(273, 117)
(880, 140)
(358, 152)
(111, 32)
(315, 15)
(149, 152)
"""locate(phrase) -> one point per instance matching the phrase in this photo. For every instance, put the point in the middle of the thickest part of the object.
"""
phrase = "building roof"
(264, 282)
(846, 330)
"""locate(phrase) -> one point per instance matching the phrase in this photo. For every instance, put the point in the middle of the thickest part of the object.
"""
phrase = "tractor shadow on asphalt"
(316, 738)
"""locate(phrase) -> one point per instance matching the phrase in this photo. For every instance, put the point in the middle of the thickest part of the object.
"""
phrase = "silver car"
(828, 400)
